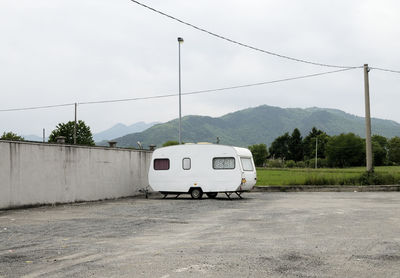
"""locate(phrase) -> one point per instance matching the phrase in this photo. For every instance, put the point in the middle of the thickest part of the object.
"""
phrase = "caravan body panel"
(213, 168)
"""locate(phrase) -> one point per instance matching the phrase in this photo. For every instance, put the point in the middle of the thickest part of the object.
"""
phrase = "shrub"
(376, 179)
(311, 163)
(290, 164)
(322, 162)
(300, 164)
(275, 163)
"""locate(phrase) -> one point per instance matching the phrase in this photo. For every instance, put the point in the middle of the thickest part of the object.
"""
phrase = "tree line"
(289, 150)
(344, 150)
(84, 135)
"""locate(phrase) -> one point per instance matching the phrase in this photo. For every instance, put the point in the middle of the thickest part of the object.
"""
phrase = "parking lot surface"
(341, 234)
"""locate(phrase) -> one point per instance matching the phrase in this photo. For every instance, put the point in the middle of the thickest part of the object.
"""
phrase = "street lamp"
(180, 41)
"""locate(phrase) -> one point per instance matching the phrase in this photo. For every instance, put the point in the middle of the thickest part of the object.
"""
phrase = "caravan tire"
(196, 193)
(212, 195)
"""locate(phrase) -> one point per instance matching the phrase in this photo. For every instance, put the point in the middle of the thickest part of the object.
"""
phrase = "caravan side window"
(186, 163)
(161, 164)
(223, 163)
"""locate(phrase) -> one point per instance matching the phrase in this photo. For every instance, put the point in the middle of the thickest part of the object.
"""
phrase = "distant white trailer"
(202, 168)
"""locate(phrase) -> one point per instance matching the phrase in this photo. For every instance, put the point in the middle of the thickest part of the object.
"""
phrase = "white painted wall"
(36, 173)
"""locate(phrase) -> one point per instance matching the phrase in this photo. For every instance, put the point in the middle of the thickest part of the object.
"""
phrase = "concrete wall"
(36, 173)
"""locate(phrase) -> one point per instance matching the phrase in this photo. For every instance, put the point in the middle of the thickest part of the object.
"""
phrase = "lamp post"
(316, 152)
(75, 123)
(180, 41)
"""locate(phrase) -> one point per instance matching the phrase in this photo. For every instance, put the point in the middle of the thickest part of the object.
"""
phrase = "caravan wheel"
(196, 193)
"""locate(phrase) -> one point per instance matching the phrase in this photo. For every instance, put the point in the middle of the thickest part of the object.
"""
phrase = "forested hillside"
(261, 124)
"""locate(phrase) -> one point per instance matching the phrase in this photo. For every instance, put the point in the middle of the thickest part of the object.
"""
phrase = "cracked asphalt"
(325, 234)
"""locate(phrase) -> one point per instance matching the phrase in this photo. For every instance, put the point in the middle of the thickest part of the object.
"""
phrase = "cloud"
(70, 51)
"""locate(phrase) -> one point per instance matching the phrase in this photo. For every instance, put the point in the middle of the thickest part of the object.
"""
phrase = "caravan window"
(161, 164)
(186, 163)
(247, 164)
(222, 163)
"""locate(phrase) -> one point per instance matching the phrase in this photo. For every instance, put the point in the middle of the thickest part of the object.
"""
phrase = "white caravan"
(202, 168)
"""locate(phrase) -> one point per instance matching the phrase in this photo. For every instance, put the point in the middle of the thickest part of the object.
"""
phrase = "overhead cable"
(267, 82)
(387, 70)
(243, 44)
(187, 93)
(218, 89)
(37, 107)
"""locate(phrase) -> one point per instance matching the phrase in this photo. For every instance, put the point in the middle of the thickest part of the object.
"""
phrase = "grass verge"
(386, 175)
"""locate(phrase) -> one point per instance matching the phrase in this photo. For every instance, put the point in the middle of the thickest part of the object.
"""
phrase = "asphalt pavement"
(307, 234)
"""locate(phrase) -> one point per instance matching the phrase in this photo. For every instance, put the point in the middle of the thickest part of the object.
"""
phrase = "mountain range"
(257, 125)
(119, 130)
(115, 131)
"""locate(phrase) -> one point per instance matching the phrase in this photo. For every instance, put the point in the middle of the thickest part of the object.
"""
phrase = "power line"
(268, 82)
(218, 89)
(187, 93)
(37, 107)
(243, 44)
(255, 48)
(127, 99)
(387, 70)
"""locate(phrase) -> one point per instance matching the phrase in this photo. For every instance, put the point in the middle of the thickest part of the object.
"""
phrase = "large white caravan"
(202, 168)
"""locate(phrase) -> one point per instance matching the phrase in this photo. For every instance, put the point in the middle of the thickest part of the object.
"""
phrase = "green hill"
(261, 124)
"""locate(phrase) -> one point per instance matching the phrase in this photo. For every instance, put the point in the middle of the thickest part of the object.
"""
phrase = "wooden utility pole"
(75, 123)
(368, 143)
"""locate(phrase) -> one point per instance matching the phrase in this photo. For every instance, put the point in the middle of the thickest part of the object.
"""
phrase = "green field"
(324, 176)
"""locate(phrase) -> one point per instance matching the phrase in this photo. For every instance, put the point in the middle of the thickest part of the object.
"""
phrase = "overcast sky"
(66, 51)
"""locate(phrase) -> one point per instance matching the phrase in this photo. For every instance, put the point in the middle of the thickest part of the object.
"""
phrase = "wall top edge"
(72, 146)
